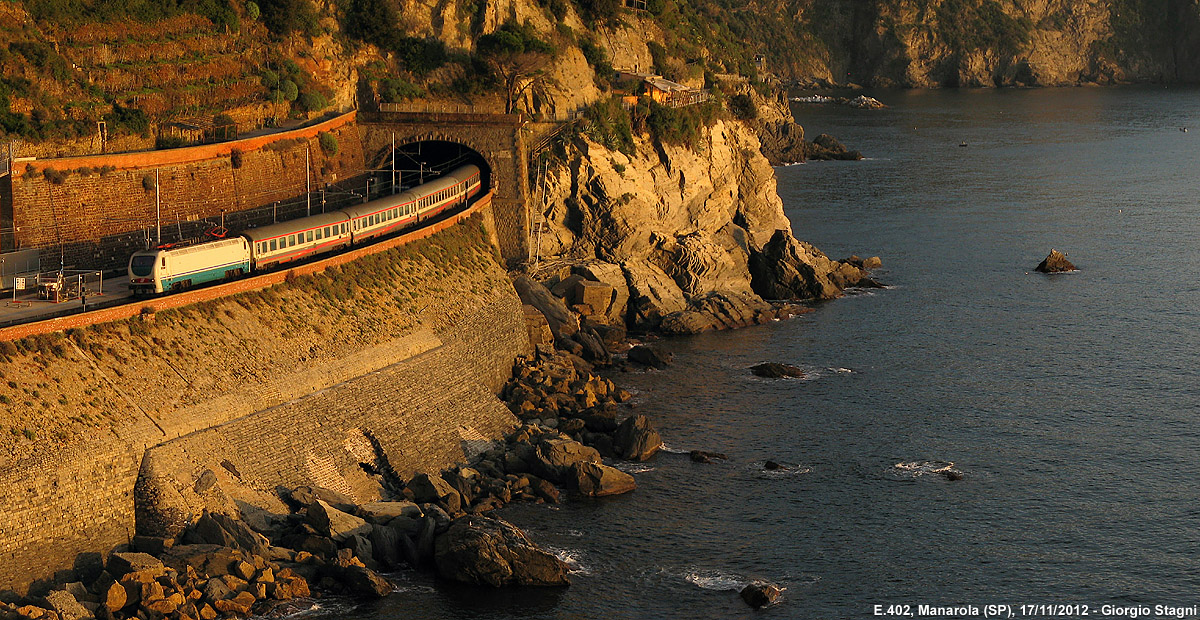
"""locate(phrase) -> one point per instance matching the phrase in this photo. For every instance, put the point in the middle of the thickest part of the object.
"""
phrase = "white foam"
(633, 468)
(710, 579)
(912, 470)
(670, 450)
(571, 558)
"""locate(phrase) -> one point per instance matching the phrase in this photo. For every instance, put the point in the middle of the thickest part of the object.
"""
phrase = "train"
(167, 269)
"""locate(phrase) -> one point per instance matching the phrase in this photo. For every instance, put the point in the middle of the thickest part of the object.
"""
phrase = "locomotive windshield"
(142, 265)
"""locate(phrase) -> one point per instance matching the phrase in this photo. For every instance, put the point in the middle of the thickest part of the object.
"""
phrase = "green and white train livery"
(173, 269)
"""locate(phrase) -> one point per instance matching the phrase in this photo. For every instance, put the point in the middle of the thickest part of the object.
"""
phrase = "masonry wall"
(94, 212)
(420, 402)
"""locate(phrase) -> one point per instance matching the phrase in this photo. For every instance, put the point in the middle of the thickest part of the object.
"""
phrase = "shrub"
(235, 158)
(54, 176)
(393, 90)
(169, 142)
(253, 11)
(329, 142)
(743, 107)
(290, 90)
(312, 101)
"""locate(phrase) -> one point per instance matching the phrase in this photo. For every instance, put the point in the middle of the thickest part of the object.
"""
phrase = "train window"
(319, 235)
(310, 236)
(273, 248)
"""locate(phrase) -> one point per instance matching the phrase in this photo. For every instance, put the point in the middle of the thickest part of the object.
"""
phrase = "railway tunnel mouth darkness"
(413, 163)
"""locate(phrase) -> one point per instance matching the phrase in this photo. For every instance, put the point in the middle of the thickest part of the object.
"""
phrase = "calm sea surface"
(1070, 402)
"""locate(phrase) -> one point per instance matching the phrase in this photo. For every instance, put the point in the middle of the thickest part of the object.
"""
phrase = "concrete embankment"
(388, 363)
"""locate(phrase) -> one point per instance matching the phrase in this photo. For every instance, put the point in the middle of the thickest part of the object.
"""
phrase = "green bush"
(743, 107)
(284, 17)
(312, 101)
(253, 11)
(394, 90)
(289, 90)
(328, 142)
(606, 122)
(131, 120)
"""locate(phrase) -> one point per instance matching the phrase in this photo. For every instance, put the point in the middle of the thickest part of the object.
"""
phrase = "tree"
(518, 58)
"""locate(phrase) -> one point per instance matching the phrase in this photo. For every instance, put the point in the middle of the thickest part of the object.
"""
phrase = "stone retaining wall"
(421, 402)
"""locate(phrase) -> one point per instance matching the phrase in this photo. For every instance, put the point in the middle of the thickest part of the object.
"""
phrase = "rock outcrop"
(490, 551)
(790, 269)
(1055, 262)
(686, 238)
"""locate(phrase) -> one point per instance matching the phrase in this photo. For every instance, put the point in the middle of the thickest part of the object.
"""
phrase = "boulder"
(382, 512)
(635, 439)
(557, 456)
(773, 370)
(648, 356)
(303, 496)
(121, 564)
(212, 560)
(385, 542)
(114, 597)
(761, 594)
(652, 294)
(1056, 262)
(595, 295)
(612, 276)
(596, 480)
(239, 604)
(64, 604)
(563, 323)
(223, 530)
(594, 348)
(333, 523)
(362, 581)
(429, 488)
(489, 551)
(717, 311)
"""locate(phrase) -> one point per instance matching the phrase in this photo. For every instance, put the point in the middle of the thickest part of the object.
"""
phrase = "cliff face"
(924, 43)
(675, 229)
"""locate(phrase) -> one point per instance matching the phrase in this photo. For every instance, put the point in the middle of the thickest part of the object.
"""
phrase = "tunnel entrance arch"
(408, 164)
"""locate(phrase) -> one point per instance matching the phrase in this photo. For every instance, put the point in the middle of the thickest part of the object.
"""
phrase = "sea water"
(1070, 403)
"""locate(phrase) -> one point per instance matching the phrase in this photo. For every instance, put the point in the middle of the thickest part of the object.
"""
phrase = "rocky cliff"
(924, 43)
(675, 230)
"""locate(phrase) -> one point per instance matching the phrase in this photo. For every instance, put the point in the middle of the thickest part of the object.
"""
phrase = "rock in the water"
(366, 582)
(790, 269)
(826, 147)
(335, 524)
(773, 466)
(761, 594)
(772, 370)
(636, 440)
(701, 456)
(557, 456)
(648, 356)
(598, 480)
(486, 550)
(1056, 262)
